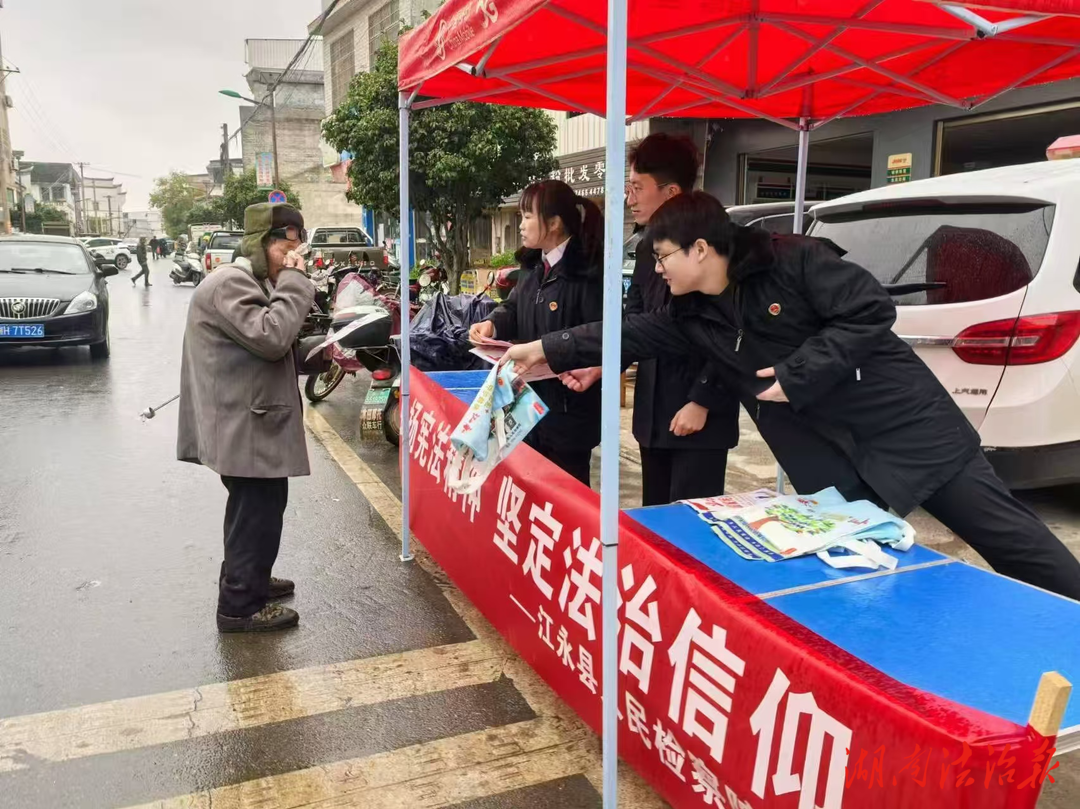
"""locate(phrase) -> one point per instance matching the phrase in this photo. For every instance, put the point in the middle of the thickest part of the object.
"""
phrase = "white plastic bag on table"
(502, 414)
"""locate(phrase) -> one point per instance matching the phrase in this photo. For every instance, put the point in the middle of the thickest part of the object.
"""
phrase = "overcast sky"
(132, 85)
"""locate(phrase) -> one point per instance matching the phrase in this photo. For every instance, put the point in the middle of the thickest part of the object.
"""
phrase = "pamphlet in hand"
(502, 414)
(492, 351)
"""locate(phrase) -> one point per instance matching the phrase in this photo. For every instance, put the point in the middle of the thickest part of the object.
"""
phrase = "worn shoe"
(269, 618)
(279, 588)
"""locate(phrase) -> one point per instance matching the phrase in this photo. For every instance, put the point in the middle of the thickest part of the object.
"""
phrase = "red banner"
(723, 700)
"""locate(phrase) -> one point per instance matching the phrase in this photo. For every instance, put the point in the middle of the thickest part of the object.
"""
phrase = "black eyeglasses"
(290, 233)
(660, 259)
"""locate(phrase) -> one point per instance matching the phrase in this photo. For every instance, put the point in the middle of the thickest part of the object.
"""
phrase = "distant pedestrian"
(240, 412)
(153, 246)
(144, 268)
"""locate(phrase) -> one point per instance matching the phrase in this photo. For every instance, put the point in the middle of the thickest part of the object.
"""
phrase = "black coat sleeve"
(645, 336)
(856, 312)
(708, 389)
(505, 317)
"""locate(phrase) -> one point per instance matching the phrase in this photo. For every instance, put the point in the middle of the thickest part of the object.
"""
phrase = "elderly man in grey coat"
(240, 409)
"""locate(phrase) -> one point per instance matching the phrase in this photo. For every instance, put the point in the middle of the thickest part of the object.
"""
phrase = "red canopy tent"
(798, 63)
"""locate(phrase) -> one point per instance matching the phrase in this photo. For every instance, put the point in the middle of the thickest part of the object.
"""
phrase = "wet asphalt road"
(109, 556)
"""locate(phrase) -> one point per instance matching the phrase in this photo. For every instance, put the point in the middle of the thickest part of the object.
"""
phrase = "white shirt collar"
(555, 256)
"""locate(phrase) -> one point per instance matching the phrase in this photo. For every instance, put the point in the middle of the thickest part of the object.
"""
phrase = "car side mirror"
(99, 260)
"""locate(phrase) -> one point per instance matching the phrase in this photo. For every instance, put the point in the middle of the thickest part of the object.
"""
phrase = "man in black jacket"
(684, 424)
(805, 339)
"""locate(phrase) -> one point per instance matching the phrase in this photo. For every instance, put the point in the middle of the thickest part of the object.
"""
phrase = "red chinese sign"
(723, 701)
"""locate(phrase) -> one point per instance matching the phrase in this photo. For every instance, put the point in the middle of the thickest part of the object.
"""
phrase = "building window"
(383, 26)
(342, 67)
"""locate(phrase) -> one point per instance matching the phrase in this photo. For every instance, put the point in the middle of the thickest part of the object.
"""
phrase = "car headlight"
(83, 302)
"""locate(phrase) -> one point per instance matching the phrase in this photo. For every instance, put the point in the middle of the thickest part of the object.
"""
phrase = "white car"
(114, 250)
(983, 269)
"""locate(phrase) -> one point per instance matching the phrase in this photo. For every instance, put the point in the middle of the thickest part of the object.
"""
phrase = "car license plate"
(22, 330)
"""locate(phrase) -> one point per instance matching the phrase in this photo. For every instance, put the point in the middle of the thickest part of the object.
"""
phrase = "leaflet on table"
(492, 351)
(775, 528)
(726, 505)
(502, 414)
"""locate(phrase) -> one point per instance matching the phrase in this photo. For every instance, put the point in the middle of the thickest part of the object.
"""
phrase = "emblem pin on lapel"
(553, 306)
(774, 309)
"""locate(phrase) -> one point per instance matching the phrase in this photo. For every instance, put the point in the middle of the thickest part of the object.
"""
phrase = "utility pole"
(273, 136)
(111, 231)
(5, 150)
(225, 148)
(82, 196)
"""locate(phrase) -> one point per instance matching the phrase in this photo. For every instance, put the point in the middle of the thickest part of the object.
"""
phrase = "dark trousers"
(253, 519)
(977, 507)
(668, 475)
(144, 270)
(575, 462)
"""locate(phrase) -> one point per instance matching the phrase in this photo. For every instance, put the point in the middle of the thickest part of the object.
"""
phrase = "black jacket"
(573, 294)
(859, 396)
(140, 252)
(663, 387)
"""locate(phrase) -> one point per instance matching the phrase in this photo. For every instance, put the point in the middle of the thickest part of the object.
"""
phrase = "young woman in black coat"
(562, 238)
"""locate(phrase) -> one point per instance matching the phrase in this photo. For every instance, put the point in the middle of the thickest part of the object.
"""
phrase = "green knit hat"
(259, 220)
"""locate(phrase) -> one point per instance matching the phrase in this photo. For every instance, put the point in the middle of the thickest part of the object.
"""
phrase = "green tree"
(211, 210)
(465, 158)
(175, 196)
(242, 190)
(43, 213)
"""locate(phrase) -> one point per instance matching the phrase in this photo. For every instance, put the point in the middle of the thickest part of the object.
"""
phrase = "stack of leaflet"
(766, 526)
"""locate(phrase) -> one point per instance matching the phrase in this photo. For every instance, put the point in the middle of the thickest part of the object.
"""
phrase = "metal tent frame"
(711, 96)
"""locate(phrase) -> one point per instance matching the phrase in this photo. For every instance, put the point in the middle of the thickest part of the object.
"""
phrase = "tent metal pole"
(797, 225)
(404, 102)
(615, 183)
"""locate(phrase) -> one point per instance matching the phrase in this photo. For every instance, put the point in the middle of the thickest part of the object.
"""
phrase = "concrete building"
(352, 35)
(102, 205)
(142, 223)
(580, 147)
(55, 184)
(217, 172)
(754, 161)
(300, 109)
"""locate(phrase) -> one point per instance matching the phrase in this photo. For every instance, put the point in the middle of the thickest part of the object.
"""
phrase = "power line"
(307, 43)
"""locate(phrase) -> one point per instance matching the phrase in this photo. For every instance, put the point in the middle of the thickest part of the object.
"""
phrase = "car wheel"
(122, 261)
(101, 351)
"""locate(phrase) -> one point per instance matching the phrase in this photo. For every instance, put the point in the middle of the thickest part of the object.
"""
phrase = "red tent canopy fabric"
(775, 59)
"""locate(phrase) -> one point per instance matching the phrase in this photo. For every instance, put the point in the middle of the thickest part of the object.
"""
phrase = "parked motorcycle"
(186, 270)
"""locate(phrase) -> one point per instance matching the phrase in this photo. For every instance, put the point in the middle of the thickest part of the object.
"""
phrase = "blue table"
(934, 623)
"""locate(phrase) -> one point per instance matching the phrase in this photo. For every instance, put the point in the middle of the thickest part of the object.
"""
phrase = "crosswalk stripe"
(127, 724)
(437, 773)
(634, 792)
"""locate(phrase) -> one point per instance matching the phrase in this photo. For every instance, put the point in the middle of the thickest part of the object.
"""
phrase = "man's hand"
(775, 393)
(690, 419)
(525, 355)
(478, 331)
(582, 379)
(295, 261)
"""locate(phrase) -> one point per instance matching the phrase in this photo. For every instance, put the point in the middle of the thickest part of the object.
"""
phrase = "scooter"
(186, 270)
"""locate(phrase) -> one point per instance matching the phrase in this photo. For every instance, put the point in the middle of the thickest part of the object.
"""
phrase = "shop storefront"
(752, 161)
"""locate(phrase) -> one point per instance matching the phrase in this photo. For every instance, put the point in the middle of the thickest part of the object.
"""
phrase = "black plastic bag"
(439, 336)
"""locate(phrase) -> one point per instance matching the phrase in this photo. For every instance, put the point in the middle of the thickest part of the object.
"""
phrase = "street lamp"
(273, 125)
